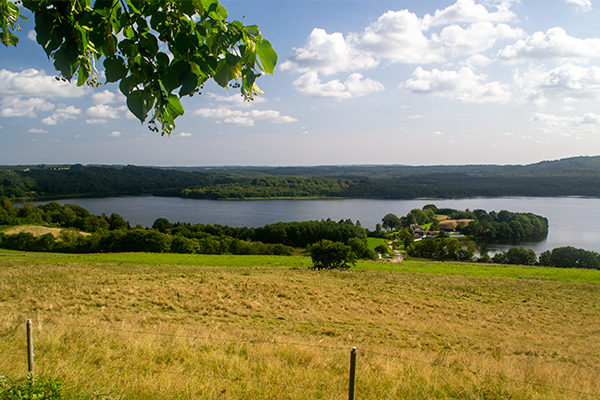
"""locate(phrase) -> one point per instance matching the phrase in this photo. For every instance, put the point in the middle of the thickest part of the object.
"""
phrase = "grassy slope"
(168, 326)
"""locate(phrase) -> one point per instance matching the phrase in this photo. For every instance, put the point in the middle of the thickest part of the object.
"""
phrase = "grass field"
(159, 326)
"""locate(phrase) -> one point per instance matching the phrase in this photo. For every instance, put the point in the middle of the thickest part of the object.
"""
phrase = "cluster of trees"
(295, 234)
(492, 226)
(443, 248)
(273, 187)
(560, 257)
(114, 234)
(574, 176)
(506, 226)
(54, 214)
(137, 240)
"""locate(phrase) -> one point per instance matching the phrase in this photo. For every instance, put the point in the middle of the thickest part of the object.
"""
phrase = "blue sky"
(358, 82)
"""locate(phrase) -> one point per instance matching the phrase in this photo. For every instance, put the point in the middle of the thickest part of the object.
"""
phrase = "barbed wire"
(298, 344)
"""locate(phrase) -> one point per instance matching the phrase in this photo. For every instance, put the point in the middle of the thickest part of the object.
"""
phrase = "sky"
(423, 82)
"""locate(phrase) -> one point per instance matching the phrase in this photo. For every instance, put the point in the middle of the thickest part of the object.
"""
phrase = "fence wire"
(15, 330)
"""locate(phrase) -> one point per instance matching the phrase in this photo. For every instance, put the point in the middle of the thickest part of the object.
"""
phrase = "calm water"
(573, 221)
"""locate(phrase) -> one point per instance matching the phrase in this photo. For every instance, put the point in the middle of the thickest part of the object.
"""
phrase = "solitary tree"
(331, 255)
(198, 44)
(391, 222)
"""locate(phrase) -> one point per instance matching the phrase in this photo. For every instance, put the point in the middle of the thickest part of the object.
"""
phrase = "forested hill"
(578, 176)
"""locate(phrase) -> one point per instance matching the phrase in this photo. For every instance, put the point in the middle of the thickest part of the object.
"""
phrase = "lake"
(574, 221)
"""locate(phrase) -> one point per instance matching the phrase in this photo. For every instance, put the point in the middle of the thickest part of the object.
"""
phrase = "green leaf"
(172, 79)
(109, 48)
(187, 7)
(189, 83)
(253, 30)
(174, 107)
(139, 103)
(128, 48)
(127, 85)
(115, 69)
(65, 59)
(162, 60)
(149, 43)
(226, 73)
(267, 56)
(84, 71)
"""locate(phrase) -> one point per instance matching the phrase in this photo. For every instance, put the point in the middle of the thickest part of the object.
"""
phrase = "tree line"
(568, 177)
(112, 233)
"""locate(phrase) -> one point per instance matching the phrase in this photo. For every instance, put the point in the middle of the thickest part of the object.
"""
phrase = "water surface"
(574, 221)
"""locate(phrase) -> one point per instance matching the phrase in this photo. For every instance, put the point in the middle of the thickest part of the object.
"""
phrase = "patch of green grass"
(486, 270)
(407, 266)
(374, 242)
(150, 259)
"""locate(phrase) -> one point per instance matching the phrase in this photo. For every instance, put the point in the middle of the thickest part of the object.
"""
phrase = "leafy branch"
(159, 51)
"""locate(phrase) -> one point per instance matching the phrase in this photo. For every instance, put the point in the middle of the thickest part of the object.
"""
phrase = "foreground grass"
(150, 326)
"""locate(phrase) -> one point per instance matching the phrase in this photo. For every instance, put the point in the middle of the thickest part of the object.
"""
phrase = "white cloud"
(184, 134)
(115, 134)
(32, 82)
(564, 83)
(455, 40)
(463, 84)
(31, 35)
(465, 28)
(476, 61)
(244, 118)
(69, 112)
(35, 130)
(104, 97)
(581, 5)
(568, 125)
(470, 12)
(354, 86)
(104, 111)
(49, 121)
(400, 37)
(236, 99)
(327, 54)
(17, 107)
(239, 120)
(554, 44)
(95, 121)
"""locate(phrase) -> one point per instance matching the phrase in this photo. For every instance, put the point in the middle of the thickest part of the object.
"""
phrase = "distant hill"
(577, 176)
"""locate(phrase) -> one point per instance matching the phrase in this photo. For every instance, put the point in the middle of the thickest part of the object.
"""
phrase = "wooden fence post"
(352, 373)
(30, 348)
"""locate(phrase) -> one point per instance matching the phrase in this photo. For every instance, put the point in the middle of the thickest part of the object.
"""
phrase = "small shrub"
(39, 389)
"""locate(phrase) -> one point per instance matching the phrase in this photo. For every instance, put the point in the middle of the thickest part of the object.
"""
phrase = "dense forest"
(579, 176)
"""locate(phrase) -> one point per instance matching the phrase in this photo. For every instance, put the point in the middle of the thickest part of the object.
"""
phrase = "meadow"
(166, 326)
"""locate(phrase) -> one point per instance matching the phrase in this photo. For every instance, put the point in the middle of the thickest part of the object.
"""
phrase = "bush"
(331, 255)
(40, 389)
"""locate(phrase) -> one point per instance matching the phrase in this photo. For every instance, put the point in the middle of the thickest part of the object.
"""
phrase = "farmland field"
(156, 326)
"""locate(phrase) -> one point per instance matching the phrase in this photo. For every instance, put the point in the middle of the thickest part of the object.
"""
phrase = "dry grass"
(37, 230)
(454, 223)
(140, 332)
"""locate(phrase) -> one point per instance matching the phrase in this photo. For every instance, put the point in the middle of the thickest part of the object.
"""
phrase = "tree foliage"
(198, 44)
(443, 249)
(570, 257)
(391, 222)
(331, 255)
(516, 256)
